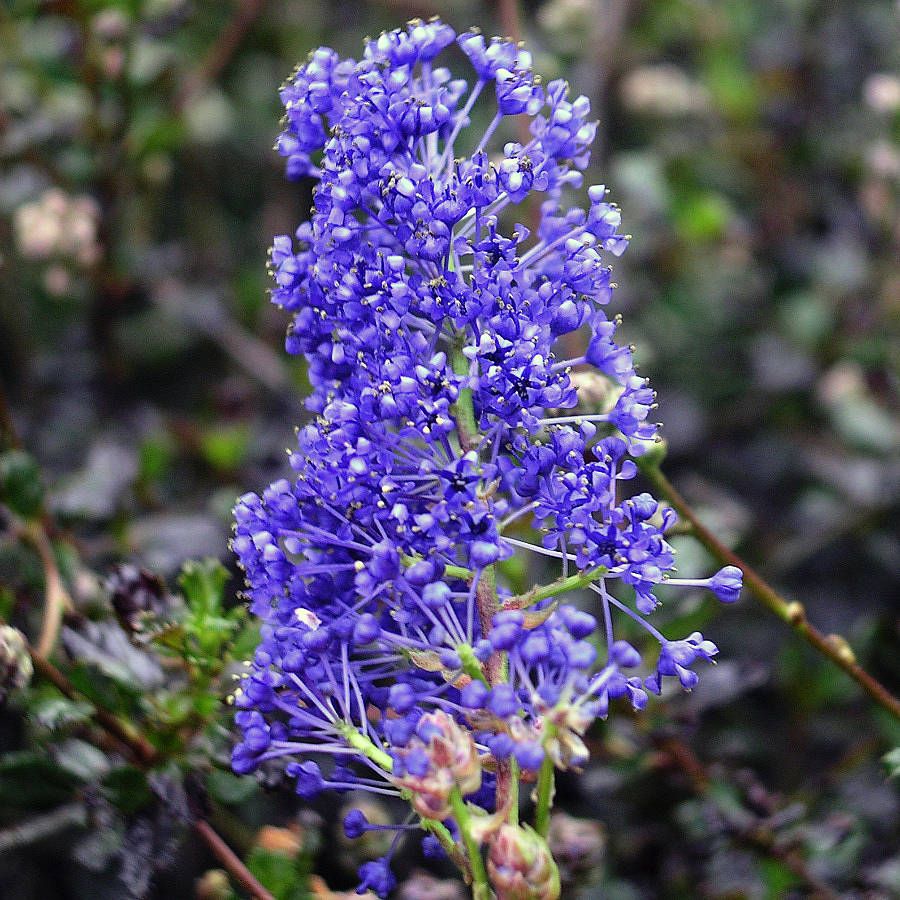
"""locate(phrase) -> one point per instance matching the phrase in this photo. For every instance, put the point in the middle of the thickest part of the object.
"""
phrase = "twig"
(510, 22)
(755, 834)
(220, 53)
(56, 598)
(138, 746)
(231, 861)
(833, 646)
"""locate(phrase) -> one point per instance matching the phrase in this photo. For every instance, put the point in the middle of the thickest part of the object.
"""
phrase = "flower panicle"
(450, 432)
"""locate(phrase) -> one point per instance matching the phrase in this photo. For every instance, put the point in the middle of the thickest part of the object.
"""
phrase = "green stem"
(480, 888)
(445, 839)
(450, 571)
(470, 664)
(464, 408)
(545, 791)
(369, 749)
(833, 646)
(365, 745)
(513, 791)
(560, 586)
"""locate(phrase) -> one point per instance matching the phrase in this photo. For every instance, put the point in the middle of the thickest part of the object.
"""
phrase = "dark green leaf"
(20, 483)
(127, 789)
(230, 789)
(285, 876)
(32, 780)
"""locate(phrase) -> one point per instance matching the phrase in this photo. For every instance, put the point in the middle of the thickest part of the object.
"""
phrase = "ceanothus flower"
(447, 436)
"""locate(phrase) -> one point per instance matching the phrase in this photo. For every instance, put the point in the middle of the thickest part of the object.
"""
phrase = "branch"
(138, 746)
(44, 826)
(833, 646)
(231, 861)
(560, 586)
(56, 598)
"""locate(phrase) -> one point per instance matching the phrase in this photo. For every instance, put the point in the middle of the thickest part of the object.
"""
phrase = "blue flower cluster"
(446, 423)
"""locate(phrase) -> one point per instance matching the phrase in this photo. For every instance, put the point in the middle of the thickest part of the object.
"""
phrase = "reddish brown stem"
(758, 836)
(143, 752)
(833, 646)
(231, 861)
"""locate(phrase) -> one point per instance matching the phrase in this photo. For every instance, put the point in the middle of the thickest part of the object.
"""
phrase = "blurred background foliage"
(754, 150)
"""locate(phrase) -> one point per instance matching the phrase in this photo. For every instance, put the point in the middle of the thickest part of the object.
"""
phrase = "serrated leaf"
(203, 584)
(246, 641)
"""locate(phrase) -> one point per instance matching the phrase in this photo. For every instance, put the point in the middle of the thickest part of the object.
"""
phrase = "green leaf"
(32, 780)
(127, 788)
(225, 448)
(82, 759)
(118, 697)
(285, 876)
(203, 583)
(20, 483)
(155, 458)
(891, 761)
(54, 713)
(247, 640)
(778, 878)
(230, 789)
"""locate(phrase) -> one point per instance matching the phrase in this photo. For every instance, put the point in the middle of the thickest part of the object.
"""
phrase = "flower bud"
(137, 596)
(451, 760)
(358, 839)
(521, 867)
(453, 748)
(214, 885)
(15, 662)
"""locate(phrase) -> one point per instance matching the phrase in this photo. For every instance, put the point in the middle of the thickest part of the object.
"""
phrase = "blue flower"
(448, 434)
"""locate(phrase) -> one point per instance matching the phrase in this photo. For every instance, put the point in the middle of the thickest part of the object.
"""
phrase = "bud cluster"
(16, 667)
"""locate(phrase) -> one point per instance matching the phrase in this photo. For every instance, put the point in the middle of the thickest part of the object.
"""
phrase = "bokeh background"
(754, 150)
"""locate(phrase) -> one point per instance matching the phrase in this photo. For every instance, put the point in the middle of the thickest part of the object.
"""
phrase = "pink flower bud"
(521, 867)
(452, 762)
